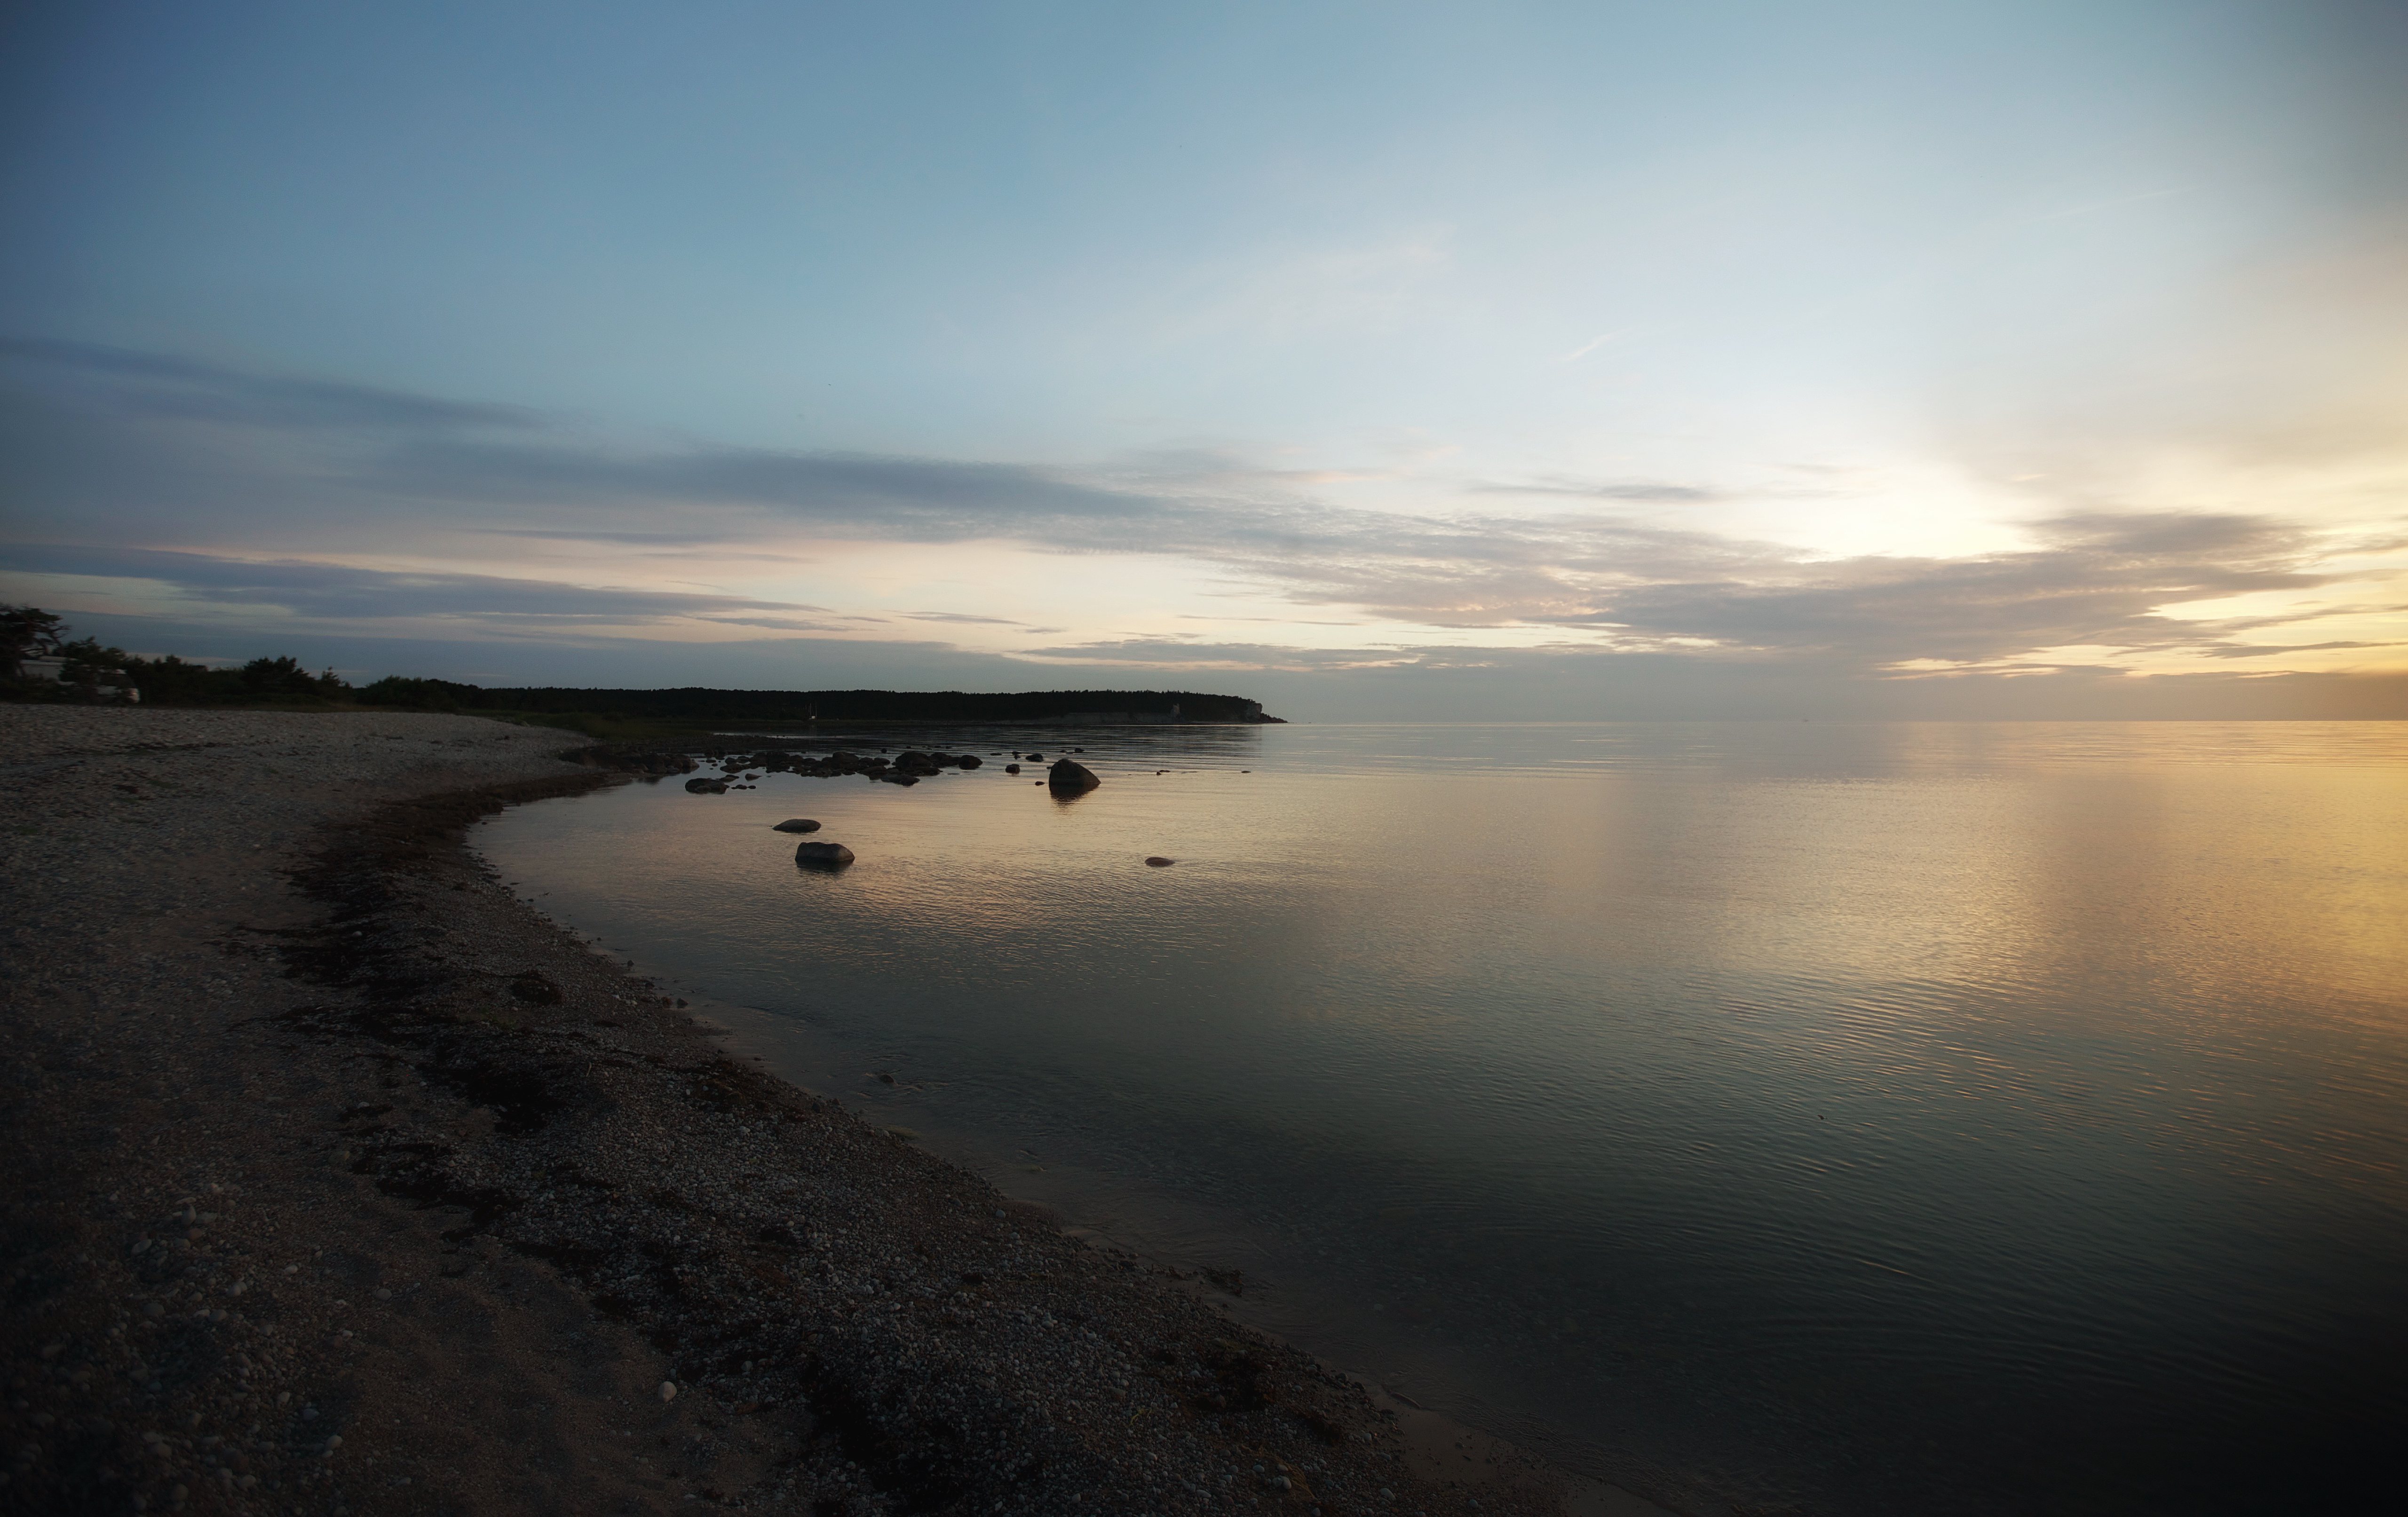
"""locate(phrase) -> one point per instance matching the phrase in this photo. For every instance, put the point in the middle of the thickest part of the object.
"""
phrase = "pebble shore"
(340, 1180)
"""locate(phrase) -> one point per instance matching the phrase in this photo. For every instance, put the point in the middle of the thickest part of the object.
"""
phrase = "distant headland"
(698, 704)
(38, 662)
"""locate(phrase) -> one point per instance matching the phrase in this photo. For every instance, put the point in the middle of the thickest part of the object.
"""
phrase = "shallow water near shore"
(1862, 1118)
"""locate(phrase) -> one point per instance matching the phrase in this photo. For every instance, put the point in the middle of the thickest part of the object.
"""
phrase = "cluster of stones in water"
(907, 768)
(1066, 777)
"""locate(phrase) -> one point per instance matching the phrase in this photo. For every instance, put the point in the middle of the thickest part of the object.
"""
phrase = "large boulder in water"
(702, 785)
(823, 855)
(796, 824)
(970, 761)
(1069, 779)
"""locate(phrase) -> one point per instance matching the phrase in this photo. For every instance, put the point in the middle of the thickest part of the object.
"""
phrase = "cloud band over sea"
(243, 507)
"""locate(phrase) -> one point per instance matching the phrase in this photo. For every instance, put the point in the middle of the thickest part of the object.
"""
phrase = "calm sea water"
(1865, 1119)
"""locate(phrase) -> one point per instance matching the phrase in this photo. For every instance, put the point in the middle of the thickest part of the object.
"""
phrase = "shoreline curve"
(348, 1178)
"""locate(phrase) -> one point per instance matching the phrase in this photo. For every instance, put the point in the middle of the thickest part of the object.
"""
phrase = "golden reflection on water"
(2057, 1072)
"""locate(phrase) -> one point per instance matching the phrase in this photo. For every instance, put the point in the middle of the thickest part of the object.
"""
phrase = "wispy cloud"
(339, 593)
(162, 386)
(1587, 348)
(1278, 620)
(1642, 490)
(2099, 579)
(159, 446)
(1169, 655)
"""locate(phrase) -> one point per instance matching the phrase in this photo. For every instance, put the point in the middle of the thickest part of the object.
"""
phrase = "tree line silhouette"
(88, 670)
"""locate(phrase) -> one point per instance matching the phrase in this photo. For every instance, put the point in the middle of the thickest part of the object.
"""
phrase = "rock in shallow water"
(701, 786)
(796, 824)
(824, 855)
(1072, 778)
(1158, 862)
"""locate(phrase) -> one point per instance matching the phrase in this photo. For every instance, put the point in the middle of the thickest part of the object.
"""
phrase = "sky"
(1397, 361)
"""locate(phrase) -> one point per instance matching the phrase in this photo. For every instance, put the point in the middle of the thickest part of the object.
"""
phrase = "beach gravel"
(342, 1180)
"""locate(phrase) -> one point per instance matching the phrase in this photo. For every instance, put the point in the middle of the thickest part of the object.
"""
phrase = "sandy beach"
(343, 1182)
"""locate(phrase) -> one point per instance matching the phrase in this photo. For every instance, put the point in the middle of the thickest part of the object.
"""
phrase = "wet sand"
(342, 1180)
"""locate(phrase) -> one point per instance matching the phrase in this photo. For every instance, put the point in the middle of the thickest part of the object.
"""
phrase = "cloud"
(2099, 580)
(963, 617)
(167, 443)
(1278, 620)
(339, 592)
(906, 498)
(1171, 654)
(236, 469)
(2233, 649)
(1670, 494)
(634, 539)
(161, 386)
